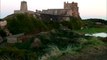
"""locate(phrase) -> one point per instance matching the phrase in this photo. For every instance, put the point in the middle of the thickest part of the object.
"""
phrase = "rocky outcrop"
(1, 39)
(36, 43)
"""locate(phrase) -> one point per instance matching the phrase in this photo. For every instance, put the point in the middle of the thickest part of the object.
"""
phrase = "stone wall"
(70, 9)
(64, 12)
(23, 6)
(74, 7)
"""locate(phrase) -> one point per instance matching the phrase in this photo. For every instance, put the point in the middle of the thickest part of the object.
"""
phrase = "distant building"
(70, 9)
(23, 8)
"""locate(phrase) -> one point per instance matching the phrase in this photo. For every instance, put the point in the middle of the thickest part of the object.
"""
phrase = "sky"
(87, 8)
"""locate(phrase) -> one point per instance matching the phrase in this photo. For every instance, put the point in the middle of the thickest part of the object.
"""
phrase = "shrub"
(74, 23)
(95, 41)
(2, 33)
(52, 54)
(14, 53)
(24, 23)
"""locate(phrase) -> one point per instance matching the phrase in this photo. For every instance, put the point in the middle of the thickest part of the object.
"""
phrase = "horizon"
(87, 9)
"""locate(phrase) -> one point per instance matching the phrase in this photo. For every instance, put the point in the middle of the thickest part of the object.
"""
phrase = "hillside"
(53, 40)
(25, 23)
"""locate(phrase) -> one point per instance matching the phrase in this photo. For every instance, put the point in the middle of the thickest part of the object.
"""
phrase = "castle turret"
(73, 7)
(66, 5)
(23, 6)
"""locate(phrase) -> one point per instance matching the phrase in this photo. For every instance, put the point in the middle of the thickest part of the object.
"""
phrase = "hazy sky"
(87, 8)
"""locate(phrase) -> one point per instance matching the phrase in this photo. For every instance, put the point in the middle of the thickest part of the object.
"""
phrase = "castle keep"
(23, 8)
(69, 10)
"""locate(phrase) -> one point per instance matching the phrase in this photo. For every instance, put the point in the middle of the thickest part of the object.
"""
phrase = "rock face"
(36, 43)
(1, 40)
(3, 24)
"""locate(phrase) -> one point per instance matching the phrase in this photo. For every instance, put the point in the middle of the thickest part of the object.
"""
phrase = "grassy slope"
(85, 48)
(92, 30)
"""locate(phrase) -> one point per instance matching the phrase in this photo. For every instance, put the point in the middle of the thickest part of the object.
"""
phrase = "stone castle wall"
(70, 9)
(64, 12)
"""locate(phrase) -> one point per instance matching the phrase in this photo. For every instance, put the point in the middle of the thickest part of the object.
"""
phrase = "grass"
(92, 30)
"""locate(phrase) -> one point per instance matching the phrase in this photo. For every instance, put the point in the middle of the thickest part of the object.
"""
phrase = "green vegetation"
(56, 45)
(27, 23)
(10, 53)
(24, 23)
(54, 40)
(94, 26)
(92, 30)
(74, 23)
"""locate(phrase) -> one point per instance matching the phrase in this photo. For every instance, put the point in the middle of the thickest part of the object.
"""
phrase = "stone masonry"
(23, 8)
(70, 9)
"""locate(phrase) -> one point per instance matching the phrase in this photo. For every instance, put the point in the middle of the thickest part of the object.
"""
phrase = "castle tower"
(23, 6)
(75, 11)
(67, 5)
(73, 7)
(70, 5)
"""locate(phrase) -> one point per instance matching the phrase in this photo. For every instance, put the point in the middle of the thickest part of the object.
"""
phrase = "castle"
(70, 9)
(23, 8)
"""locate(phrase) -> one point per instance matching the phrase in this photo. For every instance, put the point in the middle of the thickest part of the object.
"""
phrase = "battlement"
(24, 2)
(70, 5)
